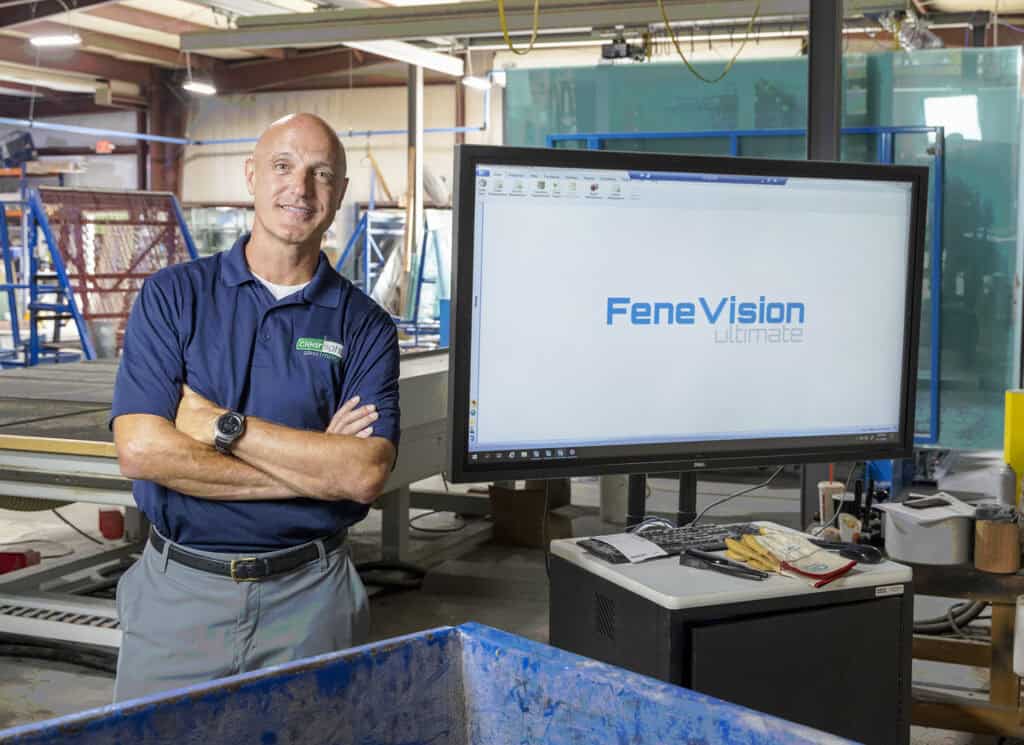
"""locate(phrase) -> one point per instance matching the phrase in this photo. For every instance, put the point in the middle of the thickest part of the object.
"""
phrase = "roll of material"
(1013, 435)
(938, 535)
(997, 546)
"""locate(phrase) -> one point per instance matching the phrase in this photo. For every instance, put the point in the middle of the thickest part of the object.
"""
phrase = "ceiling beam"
(15, 15)
(165, 24)
(38, 91)
(18, 108)
(74, 61)
(479, 18)
(251, 76)
(115, 44)
(146, 19)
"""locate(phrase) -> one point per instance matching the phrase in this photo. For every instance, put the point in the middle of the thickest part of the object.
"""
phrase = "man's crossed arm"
(270, 461)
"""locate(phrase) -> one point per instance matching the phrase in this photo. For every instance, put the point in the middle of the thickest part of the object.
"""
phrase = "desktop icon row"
(524, 454)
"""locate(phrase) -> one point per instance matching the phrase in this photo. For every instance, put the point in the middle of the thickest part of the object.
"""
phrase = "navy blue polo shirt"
(210, 324)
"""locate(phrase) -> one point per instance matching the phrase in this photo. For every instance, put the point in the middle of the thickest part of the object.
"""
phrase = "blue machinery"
(63, 305)
(885, 153)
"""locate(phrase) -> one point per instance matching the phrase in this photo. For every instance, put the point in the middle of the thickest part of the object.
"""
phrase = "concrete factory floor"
(470, 578)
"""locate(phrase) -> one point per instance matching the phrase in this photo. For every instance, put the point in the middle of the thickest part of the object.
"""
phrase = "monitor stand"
(636, 505)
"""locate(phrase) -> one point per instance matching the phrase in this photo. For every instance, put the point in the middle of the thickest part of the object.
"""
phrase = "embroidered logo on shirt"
(324, 348)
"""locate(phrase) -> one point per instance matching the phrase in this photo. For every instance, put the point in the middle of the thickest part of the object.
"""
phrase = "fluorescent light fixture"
(480, 84)
(198, 86)
(56, 40)
(412, 55)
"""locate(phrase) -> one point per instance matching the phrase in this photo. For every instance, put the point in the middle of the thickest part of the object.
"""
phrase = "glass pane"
(973, 93)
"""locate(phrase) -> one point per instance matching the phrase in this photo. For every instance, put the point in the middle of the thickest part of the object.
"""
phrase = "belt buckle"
(235, 577)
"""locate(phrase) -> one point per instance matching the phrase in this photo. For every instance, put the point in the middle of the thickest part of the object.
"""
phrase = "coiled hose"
(956, 619)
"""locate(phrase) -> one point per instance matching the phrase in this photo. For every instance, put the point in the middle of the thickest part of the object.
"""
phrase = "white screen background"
(551, 371)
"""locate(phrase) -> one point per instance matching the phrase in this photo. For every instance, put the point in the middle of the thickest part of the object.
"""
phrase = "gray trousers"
(182, 626)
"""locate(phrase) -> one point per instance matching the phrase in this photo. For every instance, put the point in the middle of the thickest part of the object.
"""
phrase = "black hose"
(410, 576)
(98, 661)
(956, 618)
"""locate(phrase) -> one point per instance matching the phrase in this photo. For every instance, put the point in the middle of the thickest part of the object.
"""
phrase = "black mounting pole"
(687, 511)
(824, 79)
(636, 505)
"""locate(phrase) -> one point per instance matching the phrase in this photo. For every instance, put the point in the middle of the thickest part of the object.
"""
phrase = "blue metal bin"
(465, 685)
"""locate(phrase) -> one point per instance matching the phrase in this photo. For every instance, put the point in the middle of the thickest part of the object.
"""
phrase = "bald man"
(256, 410)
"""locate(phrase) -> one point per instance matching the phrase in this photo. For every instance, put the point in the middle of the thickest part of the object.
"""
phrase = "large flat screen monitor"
(632, 312)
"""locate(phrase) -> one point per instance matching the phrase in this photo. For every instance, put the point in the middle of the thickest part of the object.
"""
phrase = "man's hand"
(197, 416)
(350, 420)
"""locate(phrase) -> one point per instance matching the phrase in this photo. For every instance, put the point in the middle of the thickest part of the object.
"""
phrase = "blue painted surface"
(10, 279)
(467, 685)
(445, 319)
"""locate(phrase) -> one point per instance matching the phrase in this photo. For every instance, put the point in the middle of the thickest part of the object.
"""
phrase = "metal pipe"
(115, 133)
(938, 210)
(727, 133)
(96, 131)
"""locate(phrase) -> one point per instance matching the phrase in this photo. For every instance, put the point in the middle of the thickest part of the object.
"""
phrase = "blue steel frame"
(372, 254)
(38, 221)
(415, 324)
(9, 357)
(885, 154)
(364, 229)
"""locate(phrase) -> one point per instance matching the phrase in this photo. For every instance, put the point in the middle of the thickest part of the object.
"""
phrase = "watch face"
(230, 425)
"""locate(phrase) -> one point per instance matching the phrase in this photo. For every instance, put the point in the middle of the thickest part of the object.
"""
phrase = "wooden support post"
(1004, 685)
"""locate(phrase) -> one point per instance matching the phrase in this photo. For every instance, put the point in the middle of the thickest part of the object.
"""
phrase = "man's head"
(296, 176)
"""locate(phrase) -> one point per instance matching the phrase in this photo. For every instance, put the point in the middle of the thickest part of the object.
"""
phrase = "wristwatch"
(229, 428)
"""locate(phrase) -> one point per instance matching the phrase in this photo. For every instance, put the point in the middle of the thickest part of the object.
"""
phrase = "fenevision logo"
(732, 321)
(321, 347)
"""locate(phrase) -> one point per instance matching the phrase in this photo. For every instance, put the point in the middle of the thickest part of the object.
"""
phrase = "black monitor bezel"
(467, 157)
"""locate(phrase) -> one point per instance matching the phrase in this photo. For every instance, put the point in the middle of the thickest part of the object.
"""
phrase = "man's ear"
(341, 192)
(250, 175)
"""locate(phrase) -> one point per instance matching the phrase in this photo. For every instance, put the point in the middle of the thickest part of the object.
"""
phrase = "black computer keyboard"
(675, 540)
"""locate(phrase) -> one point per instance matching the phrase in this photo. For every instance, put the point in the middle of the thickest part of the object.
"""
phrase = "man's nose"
(302, 181)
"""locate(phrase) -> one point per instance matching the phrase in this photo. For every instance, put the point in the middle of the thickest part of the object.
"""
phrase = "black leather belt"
(249, 569)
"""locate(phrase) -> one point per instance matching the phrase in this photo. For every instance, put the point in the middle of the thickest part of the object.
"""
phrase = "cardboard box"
(519, 518)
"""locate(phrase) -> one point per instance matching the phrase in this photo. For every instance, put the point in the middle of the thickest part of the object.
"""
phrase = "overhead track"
(462, 20)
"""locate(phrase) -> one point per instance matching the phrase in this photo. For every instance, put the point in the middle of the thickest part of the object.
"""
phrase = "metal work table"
(55, 445)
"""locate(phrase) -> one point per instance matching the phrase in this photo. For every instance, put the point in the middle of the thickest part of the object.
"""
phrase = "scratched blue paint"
(468, 685)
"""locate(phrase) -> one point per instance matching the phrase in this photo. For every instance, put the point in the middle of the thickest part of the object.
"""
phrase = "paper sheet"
(633, 547)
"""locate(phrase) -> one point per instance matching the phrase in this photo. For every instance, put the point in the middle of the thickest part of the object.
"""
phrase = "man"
(256, 408)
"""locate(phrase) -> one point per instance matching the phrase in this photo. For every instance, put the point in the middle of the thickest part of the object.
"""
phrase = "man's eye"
(326, 175)
(281, 167)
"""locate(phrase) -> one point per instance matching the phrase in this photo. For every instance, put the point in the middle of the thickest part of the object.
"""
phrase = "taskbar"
(681, 450)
